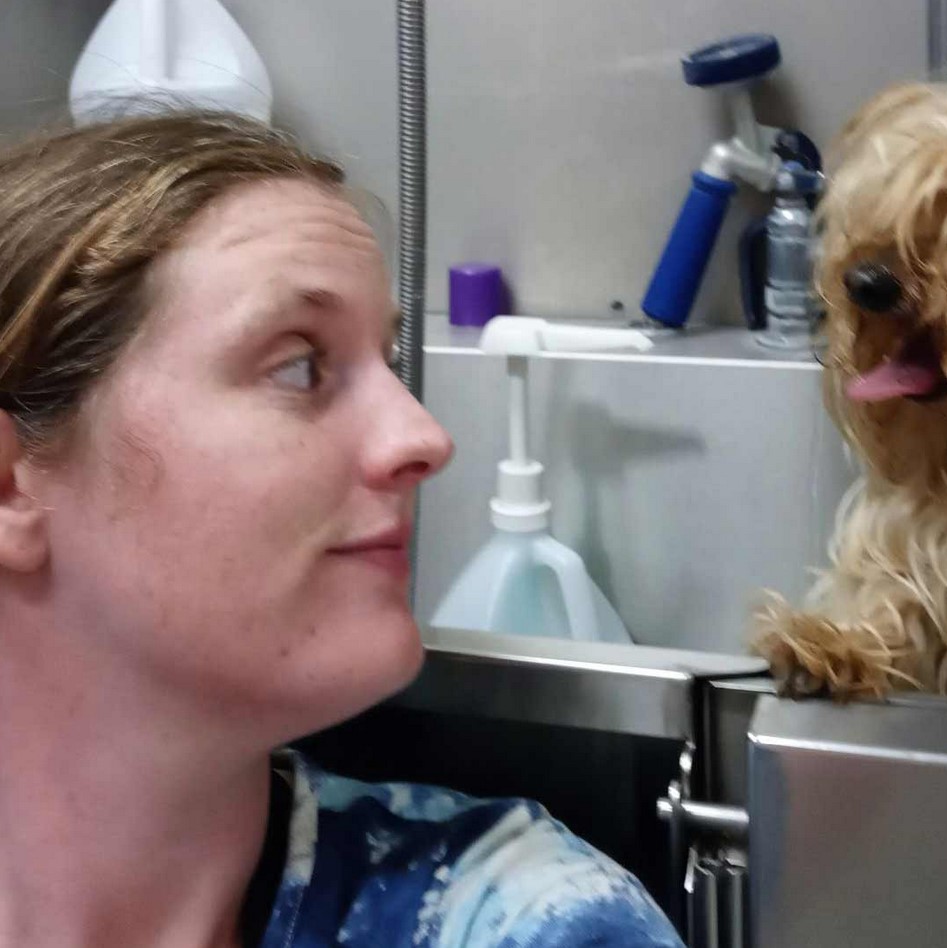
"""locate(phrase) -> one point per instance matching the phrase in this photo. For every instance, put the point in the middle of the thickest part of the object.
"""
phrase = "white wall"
(40, 41)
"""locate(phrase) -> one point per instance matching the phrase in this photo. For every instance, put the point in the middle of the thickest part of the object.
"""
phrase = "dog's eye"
(874, 287)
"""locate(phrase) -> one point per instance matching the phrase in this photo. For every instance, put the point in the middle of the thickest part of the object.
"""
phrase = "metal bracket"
(671, 809)
(730, 821)
(708, 884)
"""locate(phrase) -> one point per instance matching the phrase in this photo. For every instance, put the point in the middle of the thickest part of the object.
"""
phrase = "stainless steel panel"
(727, 707)
(847, 823)
(624, 689)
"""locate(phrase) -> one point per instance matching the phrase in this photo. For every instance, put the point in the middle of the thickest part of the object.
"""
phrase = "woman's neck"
(119, 825)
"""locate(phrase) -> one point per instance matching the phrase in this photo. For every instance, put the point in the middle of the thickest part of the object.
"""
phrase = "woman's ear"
(24, 538)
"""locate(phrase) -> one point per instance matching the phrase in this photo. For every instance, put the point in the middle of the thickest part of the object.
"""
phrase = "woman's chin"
(385, 662)
(408, 655)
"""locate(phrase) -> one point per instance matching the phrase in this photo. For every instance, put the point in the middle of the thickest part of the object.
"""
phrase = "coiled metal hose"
(412, 201)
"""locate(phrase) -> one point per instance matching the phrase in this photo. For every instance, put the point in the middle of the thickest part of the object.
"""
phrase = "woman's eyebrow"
(323, 299)
(326, 300)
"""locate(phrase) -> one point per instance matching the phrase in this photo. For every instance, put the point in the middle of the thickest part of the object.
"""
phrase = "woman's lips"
(388, 549)
(393, 560)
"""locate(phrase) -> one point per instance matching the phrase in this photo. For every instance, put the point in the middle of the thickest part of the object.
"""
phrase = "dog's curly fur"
(876, 620)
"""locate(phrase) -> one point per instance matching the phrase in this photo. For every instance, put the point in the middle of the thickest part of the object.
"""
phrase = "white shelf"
(720, 346)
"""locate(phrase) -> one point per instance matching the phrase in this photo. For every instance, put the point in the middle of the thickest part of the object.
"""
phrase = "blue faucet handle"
(679, 272)
(735, 59)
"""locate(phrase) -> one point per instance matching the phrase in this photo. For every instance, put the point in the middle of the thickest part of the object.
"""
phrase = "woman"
(207, 474)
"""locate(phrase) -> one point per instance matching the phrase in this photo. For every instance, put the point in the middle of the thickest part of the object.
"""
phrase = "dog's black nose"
(874, 287)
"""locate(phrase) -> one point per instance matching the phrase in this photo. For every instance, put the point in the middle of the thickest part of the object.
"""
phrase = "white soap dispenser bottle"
(155, 55)
(522, 581)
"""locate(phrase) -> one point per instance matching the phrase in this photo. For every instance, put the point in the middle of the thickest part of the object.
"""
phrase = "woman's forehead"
(274, 236)
(261, 250)
(280, 208)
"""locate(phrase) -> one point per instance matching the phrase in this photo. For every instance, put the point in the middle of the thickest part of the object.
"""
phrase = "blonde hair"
(83, 214)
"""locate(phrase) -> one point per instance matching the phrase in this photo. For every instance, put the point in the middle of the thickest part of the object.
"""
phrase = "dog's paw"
(793, 678)
(812, 657)
(799, 683)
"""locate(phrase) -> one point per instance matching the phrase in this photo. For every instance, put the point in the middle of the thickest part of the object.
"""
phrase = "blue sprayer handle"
(678, 274)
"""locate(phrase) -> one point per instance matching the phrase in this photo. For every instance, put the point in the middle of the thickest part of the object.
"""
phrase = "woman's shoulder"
(405, 863)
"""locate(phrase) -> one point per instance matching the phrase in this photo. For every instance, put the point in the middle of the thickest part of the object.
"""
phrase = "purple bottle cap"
(476, 294)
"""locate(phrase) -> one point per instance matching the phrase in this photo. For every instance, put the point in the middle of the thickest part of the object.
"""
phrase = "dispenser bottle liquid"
(530, 584)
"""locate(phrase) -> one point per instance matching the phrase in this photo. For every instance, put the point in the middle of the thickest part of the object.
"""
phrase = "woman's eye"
(303, 373)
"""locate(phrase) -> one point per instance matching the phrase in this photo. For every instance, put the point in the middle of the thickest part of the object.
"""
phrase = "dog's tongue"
(894, 379)
(914, 372)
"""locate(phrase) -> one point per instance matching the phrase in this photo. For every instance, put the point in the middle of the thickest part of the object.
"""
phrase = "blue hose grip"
(678, 274)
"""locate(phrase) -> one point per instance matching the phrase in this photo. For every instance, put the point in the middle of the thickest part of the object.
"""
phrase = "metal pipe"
(677, 907)
(519, 409)
(732, 821)
(412, 202)
(412, 190)
(747, 128)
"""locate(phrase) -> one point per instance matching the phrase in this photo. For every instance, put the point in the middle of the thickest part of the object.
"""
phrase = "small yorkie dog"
(876, 619)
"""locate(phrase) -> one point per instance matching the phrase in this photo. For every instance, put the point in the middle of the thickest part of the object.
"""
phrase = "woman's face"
(232, 522)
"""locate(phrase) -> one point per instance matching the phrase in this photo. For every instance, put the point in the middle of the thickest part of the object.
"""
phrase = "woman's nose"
(407, 445)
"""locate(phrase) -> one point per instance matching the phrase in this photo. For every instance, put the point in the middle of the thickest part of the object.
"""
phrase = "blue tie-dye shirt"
(408, 866)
